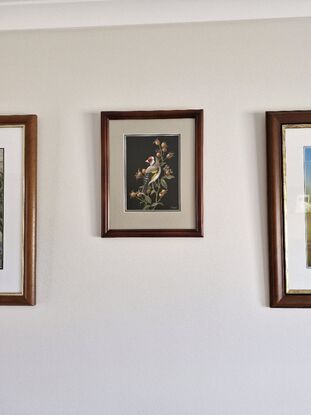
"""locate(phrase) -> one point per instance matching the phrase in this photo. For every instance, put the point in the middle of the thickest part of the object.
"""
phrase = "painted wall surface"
(155, 326)
(52, 14)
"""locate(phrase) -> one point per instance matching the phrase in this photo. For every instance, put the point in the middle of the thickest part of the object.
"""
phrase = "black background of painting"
(138, 149)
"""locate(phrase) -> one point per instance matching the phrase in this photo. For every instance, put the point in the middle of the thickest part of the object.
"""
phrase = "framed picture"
(289, 197)
(152, 168)
(18, 169)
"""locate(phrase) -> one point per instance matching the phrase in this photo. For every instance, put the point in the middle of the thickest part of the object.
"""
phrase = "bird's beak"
(147, 161)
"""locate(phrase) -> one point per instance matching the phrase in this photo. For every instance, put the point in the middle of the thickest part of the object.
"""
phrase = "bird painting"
(156, 183)
(152, 173)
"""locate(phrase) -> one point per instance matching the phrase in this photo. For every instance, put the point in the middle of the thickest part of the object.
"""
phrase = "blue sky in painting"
(307, 167)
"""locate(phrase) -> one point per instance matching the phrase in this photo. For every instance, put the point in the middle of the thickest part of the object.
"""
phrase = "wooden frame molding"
(195, 114)
(279, 297)
(28, 296)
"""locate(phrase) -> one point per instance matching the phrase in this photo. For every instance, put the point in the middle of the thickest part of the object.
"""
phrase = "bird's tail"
(146, 181)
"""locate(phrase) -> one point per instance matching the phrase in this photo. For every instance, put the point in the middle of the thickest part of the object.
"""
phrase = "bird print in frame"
(152, 172)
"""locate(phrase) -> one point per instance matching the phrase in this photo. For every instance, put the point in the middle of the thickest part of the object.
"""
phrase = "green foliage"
(163, 183)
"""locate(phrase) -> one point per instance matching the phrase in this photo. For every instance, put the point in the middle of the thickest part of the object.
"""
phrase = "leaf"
(146, 207)
(164, 184)
(153, 192)
(155, 204)
(148, 200)
(169, 177)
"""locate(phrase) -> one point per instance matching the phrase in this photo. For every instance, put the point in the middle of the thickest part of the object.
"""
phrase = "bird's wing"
(155, 174)
(151, 169)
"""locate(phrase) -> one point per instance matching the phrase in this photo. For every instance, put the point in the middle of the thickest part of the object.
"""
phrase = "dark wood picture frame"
(197, 115)
(28, 296)
(276, 216)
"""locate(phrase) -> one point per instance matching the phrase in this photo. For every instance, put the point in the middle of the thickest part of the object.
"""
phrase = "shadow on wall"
(93, 151)
(261, 241)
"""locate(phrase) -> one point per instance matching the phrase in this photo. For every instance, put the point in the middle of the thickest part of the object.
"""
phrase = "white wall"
(155, 326)
(42, 14)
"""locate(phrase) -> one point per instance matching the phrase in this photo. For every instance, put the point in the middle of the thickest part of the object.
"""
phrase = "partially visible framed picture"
(152, 173)
(289, 197)
(18, 170)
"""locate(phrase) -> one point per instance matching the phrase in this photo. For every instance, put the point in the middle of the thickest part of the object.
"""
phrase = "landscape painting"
(307, 182)
(1, 204)
(152, 172)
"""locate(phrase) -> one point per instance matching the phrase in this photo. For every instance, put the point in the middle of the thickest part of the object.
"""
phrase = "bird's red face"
(150, 160)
